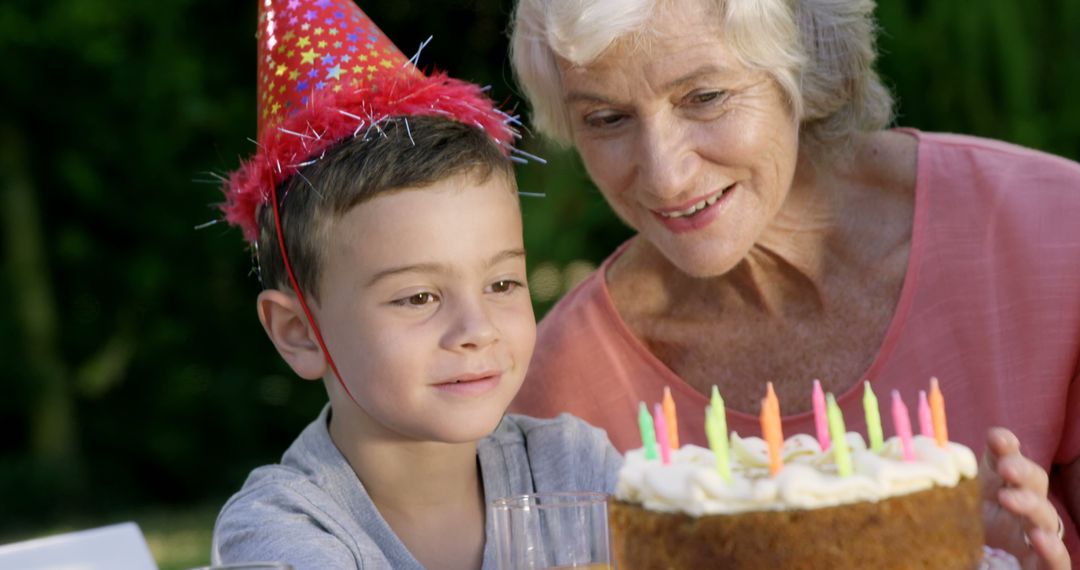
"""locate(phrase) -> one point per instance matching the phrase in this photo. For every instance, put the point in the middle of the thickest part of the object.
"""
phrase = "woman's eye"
(703, 97)
(504, 286)
(602, 120)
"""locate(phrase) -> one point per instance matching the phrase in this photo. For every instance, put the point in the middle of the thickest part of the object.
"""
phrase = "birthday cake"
(911, 502)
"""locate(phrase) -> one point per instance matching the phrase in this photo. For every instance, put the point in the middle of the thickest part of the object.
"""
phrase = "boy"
(389, 240)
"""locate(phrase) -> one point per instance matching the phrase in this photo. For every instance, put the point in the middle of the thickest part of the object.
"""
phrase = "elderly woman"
(784, 236)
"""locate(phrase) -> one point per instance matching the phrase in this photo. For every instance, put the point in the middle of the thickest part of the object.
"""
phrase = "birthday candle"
(716, 432)
(926, 424)
(771, 430)
(873, 417)
(821, 419)
(648, 434)
(770, 397)
(661, 434)
(937, 412)
(671, 419)
(902, 424)
(841, 453)
(719, 417)
(717, 404)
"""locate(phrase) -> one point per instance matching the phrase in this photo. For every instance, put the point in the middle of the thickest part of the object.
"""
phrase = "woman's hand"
(1018, 517)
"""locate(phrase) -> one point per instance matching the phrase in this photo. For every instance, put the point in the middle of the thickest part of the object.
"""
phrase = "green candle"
(873, 417)
(841, 454)
(716, 401)
(717, 433)
(648, 432)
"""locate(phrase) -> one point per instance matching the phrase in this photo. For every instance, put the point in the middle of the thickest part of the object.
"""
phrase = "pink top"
(990, 305)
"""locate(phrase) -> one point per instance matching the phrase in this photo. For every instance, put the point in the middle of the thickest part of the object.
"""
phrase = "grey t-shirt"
(312, 512)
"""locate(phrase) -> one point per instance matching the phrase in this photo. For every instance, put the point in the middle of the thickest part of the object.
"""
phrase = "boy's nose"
(472, 328)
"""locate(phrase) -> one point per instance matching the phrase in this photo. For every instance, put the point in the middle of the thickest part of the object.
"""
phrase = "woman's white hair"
(820, 52)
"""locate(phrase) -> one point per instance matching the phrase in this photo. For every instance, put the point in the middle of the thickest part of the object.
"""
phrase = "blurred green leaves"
(1000, 68)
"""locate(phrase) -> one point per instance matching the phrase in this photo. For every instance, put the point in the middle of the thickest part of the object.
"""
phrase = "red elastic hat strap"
(300, 294)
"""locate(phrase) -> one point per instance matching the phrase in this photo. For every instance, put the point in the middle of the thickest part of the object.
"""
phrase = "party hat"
(327, 72)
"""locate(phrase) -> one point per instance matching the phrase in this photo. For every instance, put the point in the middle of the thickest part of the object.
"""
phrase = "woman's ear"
(285, 323)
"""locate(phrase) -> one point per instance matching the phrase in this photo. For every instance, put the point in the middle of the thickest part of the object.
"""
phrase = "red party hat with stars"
(327, 72)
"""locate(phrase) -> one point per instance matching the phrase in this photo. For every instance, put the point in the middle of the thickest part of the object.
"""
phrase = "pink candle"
(821, 419)
(926, 421)
(662, 433)
(902, 423)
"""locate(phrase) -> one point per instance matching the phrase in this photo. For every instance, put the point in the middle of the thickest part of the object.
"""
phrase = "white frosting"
(692, 484)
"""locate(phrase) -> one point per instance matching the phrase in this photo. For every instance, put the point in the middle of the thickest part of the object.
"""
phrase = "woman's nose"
(667, 163)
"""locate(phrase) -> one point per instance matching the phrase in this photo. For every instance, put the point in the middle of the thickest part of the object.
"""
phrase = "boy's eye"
(504, 286)
(418, 300)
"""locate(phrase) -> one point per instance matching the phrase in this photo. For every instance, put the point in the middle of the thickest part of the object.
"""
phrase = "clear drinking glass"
(552, 530)
(248, 566)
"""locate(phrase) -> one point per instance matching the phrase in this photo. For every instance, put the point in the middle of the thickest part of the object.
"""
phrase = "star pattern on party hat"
(308, 47)
(326, 72)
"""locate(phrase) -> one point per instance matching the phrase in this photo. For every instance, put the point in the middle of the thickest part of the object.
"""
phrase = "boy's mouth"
(470, 384)
(471, 377)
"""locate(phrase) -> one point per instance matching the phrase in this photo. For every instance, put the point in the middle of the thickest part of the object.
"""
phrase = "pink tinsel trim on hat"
(330, 118)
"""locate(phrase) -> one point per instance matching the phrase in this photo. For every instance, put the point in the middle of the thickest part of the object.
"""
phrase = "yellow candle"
(716, 431)
(671, 419)
(841, 453)
(717, 403)
(873, 417)
(937, 414)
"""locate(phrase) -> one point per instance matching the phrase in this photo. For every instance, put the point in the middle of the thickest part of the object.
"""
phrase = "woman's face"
(692, 149)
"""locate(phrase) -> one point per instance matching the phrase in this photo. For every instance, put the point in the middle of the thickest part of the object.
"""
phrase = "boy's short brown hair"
(401, 152)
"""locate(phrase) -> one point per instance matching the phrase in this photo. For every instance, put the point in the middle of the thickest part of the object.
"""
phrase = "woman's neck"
(790, 264)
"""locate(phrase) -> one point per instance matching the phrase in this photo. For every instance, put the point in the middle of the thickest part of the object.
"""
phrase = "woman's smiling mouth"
(694, 208)
(694, 215)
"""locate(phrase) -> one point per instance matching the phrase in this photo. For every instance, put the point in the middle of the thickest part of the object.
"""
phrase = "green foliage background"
(135, 372)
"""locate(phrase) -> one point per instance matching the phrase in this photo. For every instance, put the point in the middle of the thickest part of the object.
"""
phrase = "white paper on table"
(115, 547)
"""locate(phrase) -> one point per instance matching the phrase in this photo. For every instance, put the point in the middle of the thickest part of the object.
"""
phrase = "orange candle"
(937, 413)
(771, 430)
(770, 397)
(671, 419)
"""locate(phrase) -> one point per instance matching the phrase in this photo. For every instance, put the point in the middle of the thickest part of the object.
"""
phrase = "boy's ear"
(285, 323)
